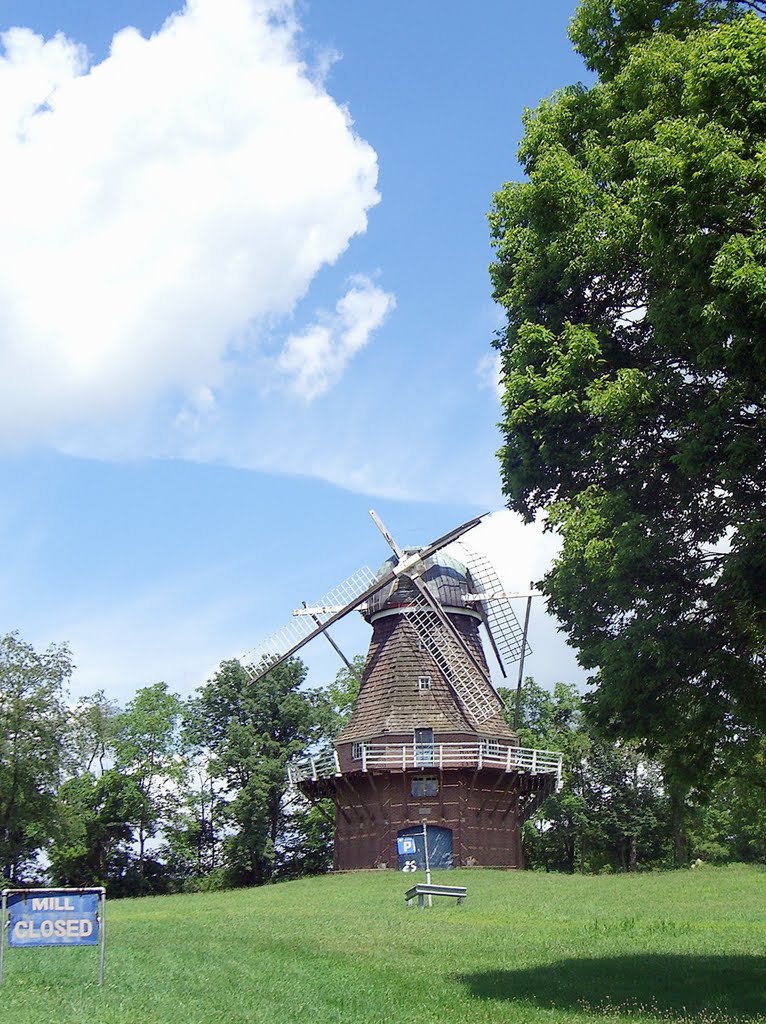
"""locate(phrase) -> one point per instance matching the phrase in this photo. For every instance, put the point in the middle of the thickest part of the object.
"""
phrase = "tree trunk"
(680, 853)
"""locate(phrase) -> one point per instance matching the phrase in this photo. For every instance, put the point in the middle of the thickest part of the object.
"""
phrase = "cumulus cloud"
(315, 358)
(489, 370)
(161, 206)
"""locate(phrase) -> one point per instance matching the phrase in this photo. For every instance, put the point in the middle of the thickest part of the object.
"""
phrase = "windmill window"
(424, 682)
(356, 751)
(424, 785)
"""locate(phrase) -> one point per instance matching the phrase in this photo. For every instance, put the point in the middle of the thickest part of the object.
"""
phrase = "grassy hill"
(684, 946)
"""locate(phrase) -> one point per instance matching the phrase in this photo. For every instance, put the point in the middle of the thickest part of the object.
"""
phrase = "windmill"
(426, 740)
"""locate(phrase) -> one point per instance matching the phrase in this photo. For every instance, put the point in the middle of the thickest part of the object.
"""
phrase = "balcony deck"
(399, 757)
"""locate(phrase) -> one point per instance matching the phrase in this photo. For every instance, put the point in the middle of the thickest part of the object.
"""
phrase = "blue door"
(439, 848)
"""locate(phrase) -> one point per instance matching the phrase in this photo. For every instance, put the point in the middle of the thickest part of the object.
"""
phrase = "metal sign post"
(3, 925)
(54, 917)
(428, 864)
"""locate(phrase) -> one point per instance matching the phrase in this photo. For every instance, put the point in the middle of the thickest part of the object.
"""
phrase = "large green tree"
(632, 267)
(146, 750)
(250, 730)
(612, 811)
(32, 725)
(94, 831)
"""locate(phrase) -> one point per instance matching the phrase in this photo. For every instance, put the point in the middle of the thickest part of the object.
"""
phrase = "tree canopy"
(632, 268)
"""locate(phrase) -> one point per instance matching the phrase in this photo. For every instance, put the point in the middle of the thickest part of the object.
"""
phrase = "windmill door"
(424, 747)
(439, 848)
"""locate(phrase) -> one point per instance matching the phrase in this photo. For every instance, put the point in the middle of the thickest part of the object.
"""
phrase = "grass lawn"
(685, 946)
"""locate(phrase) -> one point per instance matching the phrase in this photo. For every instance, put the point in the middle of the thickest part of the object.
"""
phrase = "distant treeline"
(168, 795)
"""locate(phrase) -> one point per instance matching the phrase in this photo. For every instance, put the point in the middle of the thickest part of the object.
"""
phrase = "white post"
(3, 922)
(428, 865)
(364, 757)
(102, 938)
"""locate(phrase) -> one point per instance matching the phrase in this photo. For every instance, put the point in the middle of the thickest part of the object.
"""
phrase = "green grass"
(685, 946)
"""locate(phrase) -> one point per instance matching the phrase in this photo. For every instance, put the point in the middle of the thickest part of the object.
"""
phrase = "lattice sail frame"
(501, 621)
(273, 647)
(476, 696)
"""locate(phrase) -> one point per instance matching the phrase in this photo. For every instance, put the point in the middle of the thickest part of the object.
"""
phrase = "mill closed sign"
(53, 918)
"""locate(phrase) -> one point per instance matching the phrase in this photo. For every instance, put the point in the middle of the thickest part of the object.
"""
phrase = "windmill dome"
(447, 579)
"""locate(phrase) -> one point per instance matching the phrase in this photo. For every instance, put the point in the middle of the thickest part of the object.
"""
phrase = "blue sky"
(243, 299)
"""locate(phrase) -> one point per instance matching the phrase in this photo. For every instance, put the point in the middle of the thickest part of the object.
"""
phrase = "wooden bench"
(458, 892)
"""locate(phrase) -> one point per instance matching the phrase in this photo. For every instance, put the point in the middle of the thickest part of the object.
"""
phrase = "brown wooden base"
(484, 809)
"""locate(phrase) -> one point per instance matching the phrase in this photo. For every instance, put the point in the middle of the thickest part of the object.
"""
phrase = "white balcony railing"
(404, 756)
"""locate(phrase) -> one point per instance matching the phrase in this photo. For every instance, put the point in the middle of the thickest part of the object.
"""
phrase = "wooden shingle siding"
(390, 700)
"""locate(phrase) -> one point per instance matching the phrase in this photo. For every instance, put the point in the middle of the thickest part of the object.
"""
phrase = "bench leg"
(421, 901)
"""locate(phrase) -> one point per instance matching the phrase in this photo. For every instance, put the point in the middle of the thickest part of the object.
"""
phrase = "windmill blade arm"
(452, 536)
(382, 527)
(441, 542)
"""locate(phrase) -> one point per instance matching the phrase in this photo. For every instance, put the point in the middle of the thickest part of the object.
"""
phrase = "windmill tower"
(426, 740)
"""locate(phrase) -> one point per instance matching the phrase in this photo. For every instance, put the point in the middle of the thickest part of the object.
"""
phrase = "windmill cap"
(447, 579)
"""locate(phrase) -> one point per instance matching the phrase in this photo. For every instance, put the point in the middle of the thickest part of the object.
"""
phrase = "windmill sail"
(504, 628)
(476, 696)
(286, 641)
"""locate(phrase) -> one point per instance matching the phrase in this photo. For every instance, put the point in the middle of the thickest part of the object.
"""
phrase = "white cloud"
(158, 208)
(489, 370)
(315, 358)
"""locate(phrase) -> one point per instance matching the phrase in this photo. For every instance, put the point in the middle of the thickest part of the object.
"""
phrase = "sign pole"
(102, 938)
(3, 919)
(428, 865)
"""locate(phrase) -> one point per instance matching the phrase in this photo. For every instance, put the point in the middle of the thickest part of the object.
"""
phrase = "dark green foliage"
(95, 833)
(632, 266)
(606, 31)
(307, 843)
(339, 697)
(612, 812)
(146, 751)
(32, 717)
(251, 730)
